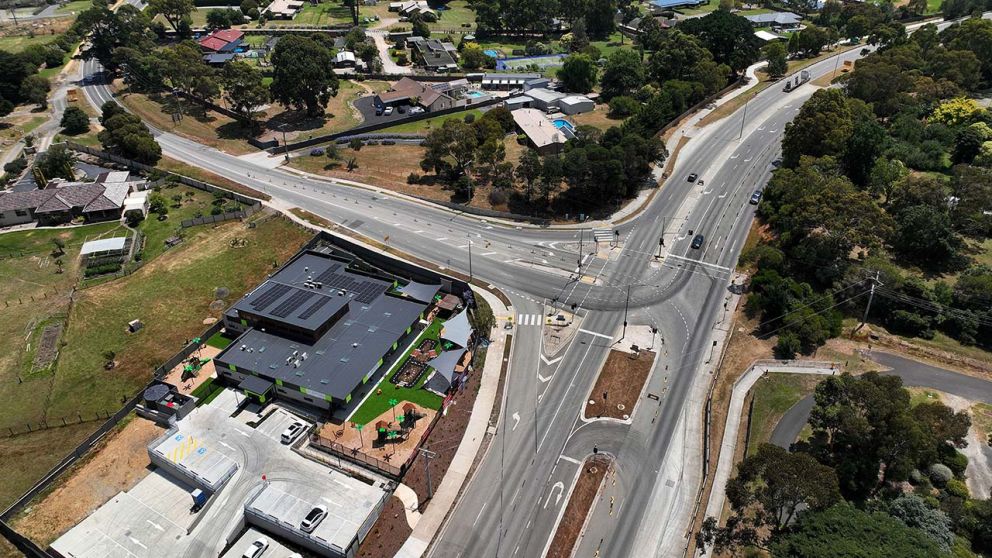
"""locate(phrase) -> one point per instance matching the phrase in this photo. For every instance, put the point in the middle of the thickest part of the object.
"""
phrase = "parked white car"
(292, 431)
(256, 549)
(316, 515)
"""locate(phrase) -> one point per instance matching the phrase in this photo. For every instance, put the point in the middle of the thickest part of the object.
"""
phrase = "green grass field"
(455, 17)
(75, 6)
(171, 294)
(775, 394)
(192, 203)
(17, 43)
(378, 403)
(428, 123)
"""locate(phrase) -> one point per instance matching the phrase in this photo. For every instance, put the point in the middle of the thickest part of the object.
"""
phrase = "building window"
(307, 399)
(20, 213)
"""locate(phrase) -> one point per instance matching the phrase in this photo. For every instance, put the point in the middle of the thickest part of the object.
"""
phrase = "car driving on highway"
(756, 197)
(692, 177)
(697, 242)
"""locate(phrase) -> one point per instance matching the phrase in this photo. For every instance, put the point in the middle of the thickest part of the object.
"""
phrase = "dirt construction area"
(579, 503)
(388, 533)
(120, 462)
(619, 385)
(395, 451)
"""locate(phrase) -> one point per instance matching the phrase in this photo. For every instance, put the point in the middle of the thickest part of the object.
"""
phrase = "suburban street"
(513, 502)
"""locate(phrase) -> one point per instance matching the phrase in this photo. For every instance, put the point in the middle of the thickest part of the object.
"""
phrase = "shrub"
(956, 461)
(470, 118)
(787, 347)
(413, 178)
(915, 513)
(388, 142)
(958, 488)
(16, 166)
(216, 210)
(497, 197)
(355, 144)
(112, 267)
(915, 477)
(940, 474)
(623, 106)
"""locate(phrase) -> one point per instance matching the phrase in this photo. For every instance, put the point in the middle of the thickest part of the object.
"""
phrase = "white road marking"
(155, 525)
(561, 489)
(700, 262)
(550, 362)
(480, 513)
(226, 446)
(488, 253)
(597, 334)
(564, 457)
(137, 542)
(516, 421)
(528, 319)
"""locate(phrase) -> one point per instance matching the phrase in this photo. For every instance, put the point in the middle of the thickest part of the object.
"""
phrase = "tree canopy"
(303, 74)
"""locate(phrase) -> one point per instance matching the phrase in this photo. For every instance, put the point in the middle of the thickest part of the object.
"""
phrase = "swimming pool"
(475, 94)
(559, 123)
(491, 53)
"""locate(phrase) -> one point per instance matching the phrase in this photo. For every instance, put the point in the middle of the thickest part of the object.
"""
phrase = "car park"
(401, 109)
(756, 197)
(292, 431)
(256, 549)
(692, 177)
(416, 110)
(388, 111)
(378, 110)
(316, 515)
(697, 242)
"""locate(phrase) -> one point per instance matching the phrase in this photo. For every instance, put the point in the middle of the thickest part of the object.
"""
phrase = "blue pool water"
(559, 123)
(491, 53)
(475, 94)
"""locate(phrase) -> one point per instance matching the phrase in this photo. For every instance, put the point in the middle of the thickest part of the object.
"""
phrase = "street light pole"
(626, 306)
(580, 248)
(285, 145)
(470, 277)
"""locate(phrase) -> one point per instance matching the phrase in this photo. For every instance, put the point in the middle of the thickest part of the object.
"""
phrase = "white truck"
(794, 82)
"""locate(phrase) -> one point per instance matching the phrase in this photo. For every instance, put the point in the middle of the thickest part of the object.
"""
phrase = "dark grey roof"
(337, 362)
(255, 384)
(779, 18)
(420, 291)
(287, 298)
(218, 57)
(444, 368)
(457, 329)
(24, 200)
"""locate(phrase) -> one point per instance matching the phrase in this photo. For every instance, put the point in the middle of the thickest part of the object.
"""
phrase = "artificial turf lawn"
(377, 403)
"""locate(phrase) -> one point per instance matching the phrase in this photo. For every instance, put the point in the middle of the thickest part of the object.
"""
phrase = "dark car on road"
(697, 242)
(756, 197)
(692, 177)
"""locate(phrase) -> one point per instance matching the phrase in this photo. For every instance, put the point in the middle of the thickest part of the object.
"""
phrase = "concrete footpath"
(444, 499)
(728, 449)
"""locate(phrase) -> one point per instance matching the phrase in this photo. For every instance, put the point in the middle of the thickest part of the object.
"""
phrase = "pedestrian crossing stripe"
(529, 319)
(184, 448)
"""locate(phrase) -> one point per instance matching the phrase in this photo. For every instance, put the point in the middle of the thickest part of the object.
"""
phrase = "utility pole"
(428, 455)
(874, 282)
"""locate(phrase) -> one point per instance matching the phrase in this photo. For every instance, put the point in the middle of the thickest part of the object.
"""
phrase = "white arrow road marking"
(226, 446)
(516, 421)
(549, 362)
(561, 489)
(245, 434)
(135, 541)
(155, 525)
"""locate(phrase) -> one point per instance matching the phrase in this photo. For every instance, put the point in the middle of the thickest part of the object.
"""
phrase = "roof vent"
(243, 347)
(354, 345)
(303, 356)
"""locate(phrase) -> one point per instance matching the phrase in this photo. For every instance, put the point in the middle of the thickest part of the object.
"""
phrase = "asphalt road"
(913, 374)
(511, 505)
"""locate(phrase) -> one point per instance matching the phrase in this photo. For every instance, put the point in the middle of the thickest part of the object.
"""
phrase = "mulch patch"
(388, 533)
(444, 440)
(579, 503)
(619, 384)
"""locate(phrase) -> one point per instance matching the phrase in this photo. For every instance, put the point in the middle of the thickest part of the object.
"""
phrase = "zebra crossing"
(529, 319)
(603, 235)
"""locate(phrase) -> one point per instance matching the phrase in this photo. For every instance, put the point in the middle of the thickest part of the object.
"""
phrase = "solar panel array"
(274, 293)
(314, 307)
(293, 303)
(365, 291)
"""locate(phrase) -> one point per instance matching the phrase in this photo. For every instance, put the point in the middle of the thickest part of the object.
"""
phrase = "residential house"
(433, 54)
(666, 5)
(222, 40)
(414, 7)
(61, 202)
(509, 82)
(283, 9)
(778, 21)
(344, 59)
(409, 91)
(545, 99)
(541, 132)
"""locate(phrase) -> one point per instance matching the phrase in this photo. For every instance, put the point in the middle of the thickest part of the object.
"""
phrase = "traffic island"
(572, 523)
(619, 385)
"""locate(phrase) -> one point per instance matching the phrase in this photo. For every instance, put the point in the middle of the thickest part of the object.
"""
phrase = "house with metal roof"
(316, 331)
(407, 91)
(283, 9)
(659, 5)
(434, 55)
(541, 132)
(779, 21)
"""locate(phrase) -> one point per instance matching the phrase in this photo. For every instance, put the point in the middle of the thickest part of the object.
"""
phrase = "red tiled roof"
(228, 35)
(213, 43)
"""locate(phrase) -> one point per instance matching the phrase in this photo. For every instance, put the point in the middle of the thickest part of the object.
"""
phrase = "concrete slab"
(227, 401)
(277, 422)
(188, 451)
(275, 550)
(168, 496)
(124, 526)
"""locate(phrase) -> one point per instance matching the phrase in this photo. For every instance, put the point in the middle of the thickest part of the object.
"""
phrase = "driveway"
(367, 108)
(388, 66)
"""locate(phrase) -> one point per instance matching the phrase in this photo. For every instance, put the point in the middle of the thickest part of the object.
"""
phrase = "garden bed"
(619, 385)
(594, 470)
